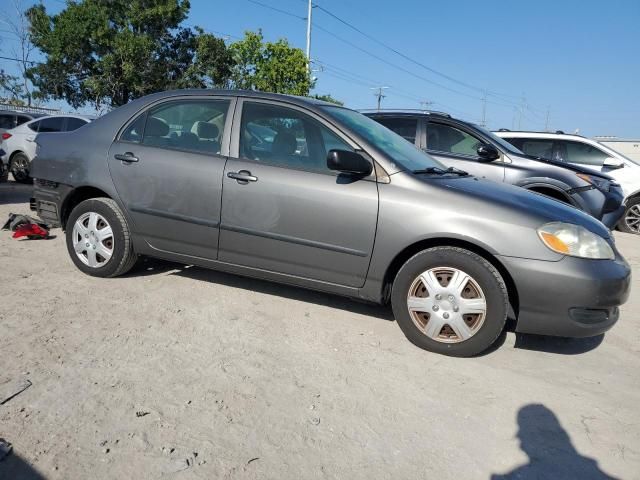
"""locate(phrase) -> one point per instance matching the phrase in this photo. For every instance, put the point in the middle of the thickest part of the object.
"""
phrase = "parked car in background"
(328, 199)
(10, 119)
(18, 144)
(591, 155)
(467, 146)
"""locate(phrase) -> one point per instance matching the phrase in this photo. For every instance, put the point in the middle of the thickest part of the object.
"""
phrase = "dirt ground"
(180, 372)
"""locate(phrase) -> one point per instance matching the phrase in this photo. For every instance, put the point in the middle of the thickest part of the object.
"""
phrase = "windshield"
(397, 148)
(500, 141)
(613, 153)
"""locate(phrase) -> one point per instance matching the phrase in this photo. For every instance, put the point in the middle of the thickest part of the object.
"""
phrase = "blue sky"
(580, 60)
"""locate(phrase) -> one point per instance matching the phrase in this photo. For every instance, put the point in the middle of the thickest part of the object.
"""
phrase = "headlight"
(598, 182)
(574, 240)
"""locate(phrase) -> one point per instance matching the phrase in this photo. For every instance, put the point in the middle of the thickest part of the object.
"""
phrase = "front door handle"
(127, 157)
(243, 176)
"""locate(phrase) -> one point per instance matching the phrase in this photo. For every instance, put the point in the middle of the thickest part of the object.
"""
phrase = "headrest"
(156, 128)
(285, 143)
(206, 130)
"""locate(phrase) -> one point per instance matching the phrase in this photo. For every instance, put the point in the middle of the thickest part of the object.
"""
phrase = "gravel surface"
(180, 372)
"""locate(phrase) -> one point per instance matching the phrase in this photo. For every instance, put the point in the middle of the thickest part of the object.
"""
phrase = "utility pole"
(309, 37)
(484, 109)
(379, 94)
(522, 107)
(546, 123)
(426, 104)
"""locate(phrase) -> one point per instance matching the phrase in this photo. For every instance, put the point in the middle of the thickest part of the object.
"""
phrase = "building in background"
(629, 148)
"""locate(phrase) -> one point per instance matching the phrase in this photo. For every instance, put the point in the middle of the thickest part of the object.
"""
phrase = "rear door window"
(184, 125)
(51, 124)
(74, 123)
(541, 147)
(405, 127)
(22, 119)
(7, 121)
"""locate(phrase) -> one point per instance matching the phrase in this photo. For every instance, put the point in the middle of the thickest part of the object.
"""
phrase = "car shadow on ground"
(15, 467)
(151, 266)
(14, 192)
(550, 450)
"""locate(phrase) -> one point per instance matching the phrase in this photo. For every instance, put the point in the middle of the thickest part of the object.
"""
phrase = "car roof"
(245, 93)
(404, 113)
(27, 114)
(525, 134)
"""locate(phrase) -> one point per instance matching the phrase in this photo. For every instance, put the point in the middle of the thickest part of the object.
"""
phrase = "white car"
(18, 146)
(590, 154)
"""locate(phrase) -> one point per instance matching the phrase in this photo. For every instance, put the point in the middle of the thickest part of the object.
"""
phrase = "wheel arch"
(550, 191)
(402, 257)
(77, 195)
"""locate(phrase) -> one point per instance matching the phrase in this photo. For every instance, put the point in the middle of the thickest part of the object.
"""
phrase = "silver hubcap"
(632, 218)
(93, 239)
(447, 305)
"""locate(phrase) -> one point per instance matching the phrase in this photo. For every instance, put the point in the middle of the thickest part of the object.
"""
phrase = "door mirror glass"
(348, 162)
(487, 153)
(612, 163)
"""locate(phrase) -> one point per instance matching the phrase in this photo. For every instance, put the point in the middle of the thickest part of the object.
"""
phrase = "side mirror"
(612, 163)
(487, 153)
(348, 162)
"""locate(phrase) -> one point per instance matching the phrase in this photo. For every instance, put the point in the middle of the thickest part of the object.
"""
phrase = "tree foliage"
(269, 67)
(110, 52)
(107, 52)
(327, 98)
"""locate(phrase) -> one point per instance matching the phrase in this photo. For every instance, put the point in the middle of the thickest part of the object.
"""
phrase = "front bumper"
(572, 297)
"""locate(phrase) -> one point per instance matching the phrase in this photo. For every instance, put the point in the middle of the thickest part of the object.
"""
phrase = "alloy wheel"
(93, 239)
(447, 305)
(20, 168)
(632, 218)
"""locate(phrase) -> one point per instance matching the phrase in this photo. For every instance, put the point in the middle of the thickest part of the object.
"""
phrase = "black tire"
(20, 168)
(4, 172)
(631, 212)
(123, 257)
(481, 271)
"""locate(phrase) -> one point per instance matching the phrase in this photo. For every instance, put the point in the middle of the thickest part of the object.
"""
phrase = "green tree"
(327, 98)
(270, 67)
(11, 89)
(107, 53)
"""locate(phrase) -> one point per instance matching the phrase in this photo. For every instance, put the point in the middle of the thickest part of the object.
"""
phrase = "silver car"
(311, 194)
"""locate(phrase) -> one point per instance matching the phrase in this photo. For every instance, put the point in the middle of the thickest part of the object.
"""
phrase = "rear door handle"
(127, 157)
(243, 176)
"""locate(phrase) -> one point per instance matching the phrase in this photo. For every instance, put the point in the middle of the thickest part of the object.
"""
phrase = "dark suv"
(469, 147)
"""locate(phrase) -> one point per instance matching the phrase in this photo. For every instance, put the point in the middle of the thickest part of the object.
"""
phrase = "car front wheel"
(450, 300)
(98, 238)
(630, 221)
(20, 168)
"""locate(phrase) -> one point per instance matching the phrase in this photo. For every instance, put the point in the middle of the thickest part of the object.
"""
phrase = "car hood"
(523, 206)
(567, 166)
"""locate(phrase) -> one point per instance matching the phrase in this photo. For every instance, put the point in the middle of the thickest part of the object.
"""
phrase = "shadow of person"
(13, 467)
(549, 448)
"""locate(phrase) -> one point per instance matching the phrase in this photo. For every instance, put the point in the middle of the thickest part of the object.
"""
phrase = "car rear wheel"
(630, 221)
(20, 168)
(98, 238)
(449, 300)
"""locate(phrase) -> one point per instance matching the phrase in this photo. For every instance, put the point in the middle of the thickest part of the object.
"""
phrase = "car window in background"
(387, 142)
(133, 133)
(7, 121)
(185, 125)
(506, 145)
(74, 123)
(52, 124)
(286, 137)
(35, 126)
(405, 127)
(448, 139)
(22, 119)
(542, 148)
(581, 153)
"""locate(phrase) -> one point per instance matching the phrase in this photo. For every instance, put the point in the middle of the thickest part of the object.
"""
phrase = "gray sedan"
(316, 195)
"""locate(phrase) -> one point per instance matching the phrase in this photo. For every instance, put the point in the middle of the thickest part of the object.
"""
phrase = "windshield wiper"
(440, 171)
